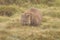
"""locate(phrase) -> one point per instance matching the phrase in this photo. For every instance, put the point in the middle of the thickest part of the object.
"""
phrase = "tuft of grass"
(7, 11)
(50, 22)
(53, 12)
(13, 23)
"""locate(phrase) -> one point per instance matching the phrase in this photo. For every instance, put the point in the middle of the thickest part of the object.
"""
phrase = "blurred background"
(10, 14)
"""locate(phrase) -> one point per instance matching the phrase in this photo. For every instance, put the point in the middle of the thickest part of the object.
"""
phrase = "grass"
(11, 29)
(53, 12)
(8, 10)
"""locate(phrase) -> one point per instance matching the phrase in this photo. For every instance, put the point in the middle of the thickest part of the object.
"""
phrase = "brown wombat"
(31, 17)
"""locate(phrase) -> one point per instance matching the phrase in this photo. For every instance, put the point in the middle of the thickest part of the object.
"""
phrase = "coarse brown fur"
(31, 17)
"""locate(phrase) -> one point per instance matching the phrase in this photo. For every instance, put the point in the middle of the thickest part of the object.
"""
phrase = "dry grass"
(10, 28)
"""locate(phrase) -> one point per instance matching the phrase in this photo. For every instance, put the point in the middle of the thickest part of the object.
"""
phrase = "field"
(11, 29)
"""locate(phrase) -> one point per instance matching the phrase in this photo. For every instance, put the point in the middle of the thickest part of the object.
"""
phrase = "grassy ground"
(10, 28)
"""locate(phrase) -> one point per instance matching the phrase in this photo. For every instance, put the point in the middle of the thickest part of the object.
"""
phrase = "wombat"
(31, 17)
